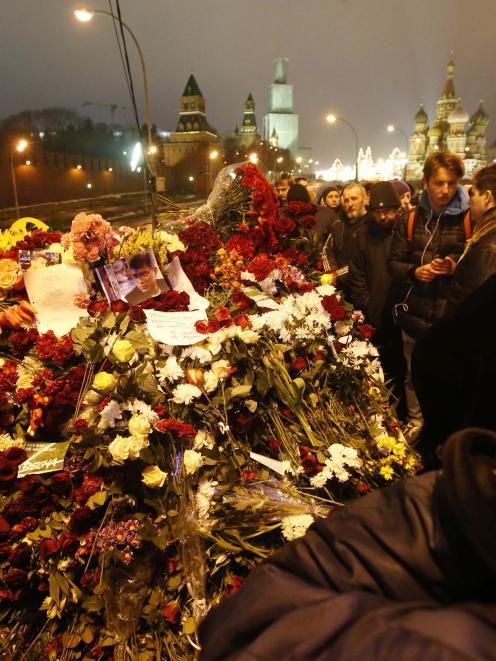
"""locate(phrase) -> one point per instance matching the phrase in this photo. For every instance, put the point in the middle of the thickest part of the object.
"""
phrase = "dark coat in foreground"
(408, 573)
(454, 371)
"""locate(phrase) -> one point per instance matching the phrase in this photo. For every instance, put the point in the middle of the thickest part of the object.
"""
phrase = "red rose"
(213, 326)
(30, 523)
(81, 520)
(222, 313)
(17, 531)
(137, 314)
(119, 306)
(48, 547)
(60, 483)
(15, 578)
(4, 527)
(171, 611)
(284, 225)
(97, 307)
(201, 327)
(333, 307)
(299, 363)
(242, 320)
(8, 471)
(20, 556)
(5, 551)
(362, 487)
(366, 330)
(29, 483)
(68, 542)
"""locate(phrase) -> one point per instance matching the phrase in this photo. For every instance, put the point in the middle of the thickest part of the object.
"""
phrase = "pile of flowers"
(186, 466)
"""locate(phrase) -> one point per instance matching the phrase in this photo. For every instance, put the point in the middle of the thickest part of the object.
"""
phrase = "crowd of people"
(409, 261)
(409, 571)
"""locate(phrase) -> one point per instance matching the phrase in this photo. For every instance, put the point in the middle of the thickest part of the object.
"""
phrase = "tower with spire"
(448, 131)
(281, 116)
(248, 134)
(186, 155)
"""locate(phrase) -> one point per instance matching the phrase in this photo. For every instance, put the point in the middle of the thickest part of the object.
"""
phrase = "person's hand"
(444, 266)
(425, 273)
(22, 313)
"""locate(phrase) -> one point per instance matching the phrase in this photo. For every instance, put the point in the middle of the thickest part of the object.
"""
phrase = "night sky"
(370, 61)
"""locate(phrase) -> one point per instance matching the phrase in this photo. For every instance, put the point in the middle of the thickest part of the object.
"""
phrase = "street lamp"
(20, 147)
(391, 129)
(253, 158)
(84, 15)
(212, 155)
(332, 119)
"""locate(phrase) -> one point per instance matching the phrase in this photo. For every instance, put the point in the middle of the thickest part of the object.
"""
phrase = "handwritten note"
(51, 290)
(180, 282)
(174, 328)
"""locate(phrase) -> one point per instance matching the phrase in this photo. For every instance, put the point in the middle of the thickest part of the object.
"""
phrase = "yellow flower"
(386, 472)
(123, 351)
(104, 381)
(153, 477)
(399, 450)
(327, 279)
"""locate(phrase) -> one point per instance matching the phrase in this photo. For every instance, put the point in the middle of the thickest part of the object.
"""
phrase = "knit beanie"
(383, 196)
(298, 193)
(401, 187)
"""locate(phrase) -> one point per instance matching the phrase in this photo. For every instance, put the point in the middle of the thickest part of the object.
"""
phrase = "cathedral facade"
(452, 129)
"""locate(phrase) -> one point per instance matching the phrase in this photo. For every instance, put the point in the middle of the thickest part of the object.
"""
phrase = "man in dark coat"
(478, 260)
(340, 244)
(370, 283)
(407, 572)
(454, 372)
(424, 253)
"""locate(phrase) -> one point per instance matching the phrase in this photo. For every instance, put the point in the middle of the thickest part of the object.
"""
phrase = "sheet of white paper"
(180, 282)
(273, 464)
(51, 290)
(260, 298)
(174, 328)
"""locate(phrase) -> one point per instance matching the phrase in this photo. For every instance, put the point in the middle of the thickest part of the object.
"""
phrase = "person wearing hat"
(370, 282)
(405, 194)
(407, 572)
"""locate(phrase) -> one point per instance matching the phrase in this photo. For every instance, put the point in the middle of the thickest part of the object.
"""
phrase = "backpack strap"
(467, 224)
(410, 223)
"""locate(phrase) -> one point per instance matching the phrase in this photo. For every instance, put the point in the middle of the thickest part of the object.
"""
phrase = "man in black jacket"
(408, 572)
(370, 283)
(425, 250)
(340, 244)
(478, 261)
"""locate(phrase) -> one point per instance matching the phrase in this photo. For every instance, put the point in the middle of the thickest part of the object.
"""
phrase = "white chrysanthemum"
(185, 393)
(247, 335)
(142, 408)
(197, 353)
(109, 415)
(172, 241)
(326, 290)
(171, 371)
(6, 441)
(203, 497)
(340, 458)
(296, 525)
(192, 461)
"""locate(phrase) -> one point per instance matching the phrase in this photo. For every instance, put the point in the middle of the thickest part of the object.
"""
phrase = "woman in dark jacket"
(407, 572)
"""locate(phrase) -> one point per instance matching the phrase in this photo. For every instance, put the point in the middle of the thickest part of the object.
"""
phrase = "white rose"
(123, 351)
(192, 461)
(104, 381)
(221, 369)
(153, 477)
(211, 382)
(204, 438)
(119, 449)
(247, 335)
(139, 425)
(136, 444)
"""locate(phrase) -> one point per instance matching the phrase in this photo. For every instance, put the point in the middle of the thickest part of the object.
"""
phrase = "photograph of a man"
(149, 281)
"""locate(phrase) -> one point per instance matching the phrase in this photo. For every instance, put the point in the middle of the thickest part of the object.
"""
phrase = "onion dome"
(435, 131)
(479, 118)
(421, 115)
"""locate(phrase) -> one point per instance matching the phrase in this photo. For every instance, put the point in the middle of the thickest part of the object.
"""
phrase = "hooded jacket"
(477, 263)
(442, 235)
(408, 572)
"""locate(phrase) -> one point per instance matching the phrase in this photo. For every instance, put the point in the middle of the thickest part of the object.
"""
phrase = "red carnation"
(20, 556)
(366, 330)
(213, 326)
(171, 611)
(242, 320)
(68, 543)
(48, 547)
(299, 363)
(284, 225)
(222, 313)
(333, 307)
(15, 455)
(15, 579)
(201, 327)
(60, 483)
(97, 307)
(175, 427)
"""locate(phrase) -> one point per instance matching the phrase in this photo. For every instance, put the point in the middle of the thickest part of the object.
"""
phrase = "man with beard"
(340, 244)
(370, 283)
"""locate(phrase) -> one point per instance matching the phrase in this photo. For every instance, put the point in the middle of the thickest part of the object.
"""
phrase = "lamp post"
(332, 119)
(391, 129)
(84, 15)
(20, 147)
(212, 155)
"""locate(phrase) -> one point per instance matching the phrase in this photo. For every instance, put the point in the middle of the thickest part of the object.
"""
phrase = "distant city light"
(28, 162)
(136, 157)
(253, 158)
(79, 167)
(331, 118)
(191, 178)
(88, 185)
(213, 154)
(110, 169)
(152, 149)
(21, 145)
(138, 169)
